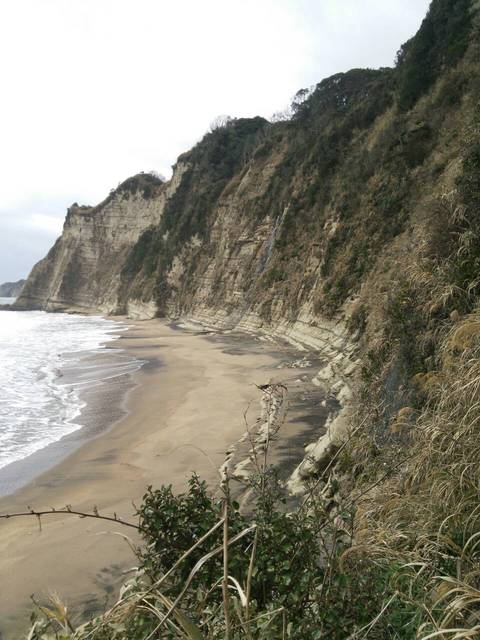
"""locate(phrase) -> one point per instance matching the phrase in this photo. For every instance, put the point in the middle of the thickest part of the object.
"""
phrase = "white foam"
(36, 406)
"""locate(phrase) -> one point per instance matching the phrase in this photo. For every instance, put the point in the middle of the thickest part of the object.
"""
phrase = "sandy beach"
(186, 409)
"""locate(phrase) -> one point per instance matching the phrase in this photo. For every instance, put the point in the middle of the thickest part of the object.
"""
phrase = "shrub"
(441, 41)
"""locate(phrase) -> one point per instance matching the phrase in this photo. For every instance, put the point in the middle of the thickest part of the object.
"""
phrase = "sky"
(93, 91)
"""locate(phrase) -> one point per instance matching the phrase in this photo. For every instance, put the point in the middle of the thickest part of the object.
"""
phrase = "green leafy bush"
(441, 41)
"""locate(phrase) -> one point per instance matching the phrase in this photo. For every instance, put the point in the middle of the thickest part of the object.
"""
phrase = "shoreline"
(197, 399)
(95, 397)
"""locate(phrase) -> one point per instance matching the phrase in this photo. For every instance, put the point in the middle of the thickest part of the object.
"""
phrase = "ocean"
(49, 365)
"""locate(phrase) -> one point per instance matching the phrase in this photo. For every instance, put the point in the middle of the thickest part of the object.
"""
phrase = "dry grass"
(427, 516)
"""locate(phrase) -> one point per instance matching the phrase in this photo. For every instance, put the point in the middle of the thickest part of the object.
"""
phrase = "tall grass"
(427, 517)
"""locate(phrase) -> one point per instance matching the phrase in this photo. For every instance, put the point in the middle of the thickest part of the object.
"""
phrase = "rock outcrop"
(82, 271)
(11, 289)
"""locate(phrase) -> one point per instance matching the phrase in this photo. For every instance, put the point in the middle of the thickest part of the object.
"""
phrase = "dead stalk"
(249, 584)
(225, 564)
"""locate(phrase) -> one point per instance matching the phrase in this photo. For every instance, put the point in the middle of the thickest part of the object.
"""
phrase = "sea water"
(39, 404)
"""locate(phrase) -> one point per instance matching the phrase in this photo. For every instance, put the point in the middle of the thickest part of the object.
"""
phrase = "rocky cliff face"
(336, 229)
(11, 289)
(82, 270)
(284, 220)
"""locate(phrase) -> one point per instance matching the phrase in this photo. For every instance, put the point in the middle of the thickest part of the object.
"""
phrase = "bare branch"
(69, 511)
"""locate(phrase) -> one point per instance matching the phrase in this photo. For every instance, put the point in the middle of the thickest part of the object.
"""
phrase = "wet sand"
(102, 381)
(186, 409)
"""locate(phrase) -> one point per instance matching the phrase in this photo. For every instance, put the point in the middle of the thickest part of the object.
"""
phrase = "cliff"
(335, 229)
(271, 223)
(81, 271)
(11, 289)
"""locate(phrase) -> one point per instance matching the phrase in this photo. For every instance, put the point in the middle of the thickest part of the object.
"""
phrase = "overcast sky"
(93, 91)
